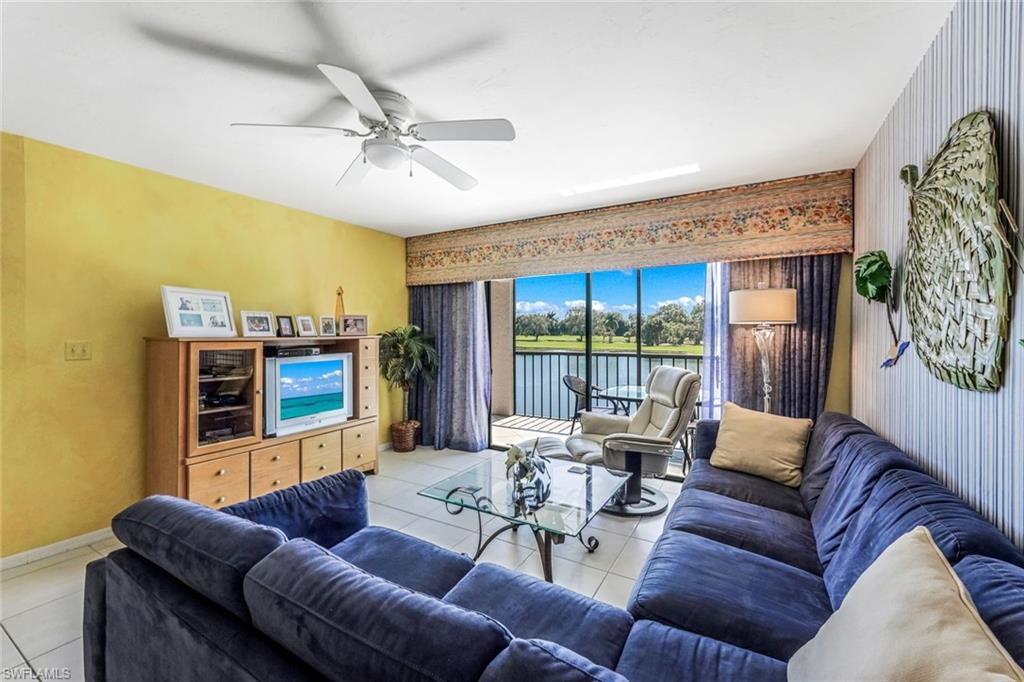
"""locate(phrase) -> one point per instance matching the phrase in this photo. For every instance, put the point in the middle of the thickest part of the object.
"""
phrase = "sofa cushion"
(830, 431)
(158, 628)
(740, 486)
(533, 609)
(351, 625)
(326, 510)
(762, 444)
(768, 532)
(901, 501)
(729, 594)
(861, 461)
(537, 660)
(404, 560)
(908, 617)
(207, 550)
(659, 653)
(997, 589)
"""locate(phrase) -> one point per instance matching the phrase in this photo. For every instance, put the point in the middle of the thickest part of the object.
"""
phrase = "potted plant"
(405, 354)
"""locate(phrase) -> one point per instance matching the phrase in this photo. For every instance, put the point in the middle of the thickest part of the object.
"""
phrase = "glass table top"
(637, 393)
(578, 492)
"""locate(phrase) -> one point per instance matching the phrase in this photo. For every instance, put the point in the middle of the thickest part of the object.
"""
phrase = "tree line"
(670, 324)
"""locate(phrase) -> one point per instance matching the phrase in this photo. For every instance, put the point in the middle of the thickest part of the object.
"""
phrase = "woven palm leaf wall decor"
(958, 261)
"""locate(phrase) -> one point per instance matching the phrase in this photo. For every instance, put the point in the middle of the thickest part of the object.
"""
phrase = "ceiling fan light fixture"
(385, 153)
(672, 172)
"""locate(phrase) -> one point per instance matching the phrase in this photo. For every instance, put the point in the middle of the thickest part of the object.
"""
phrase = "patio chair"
(641, 444)
(578, 387)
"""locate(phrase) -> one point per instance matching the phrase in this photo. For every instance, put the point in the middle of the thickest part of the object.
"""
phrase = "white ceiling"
(750, 91)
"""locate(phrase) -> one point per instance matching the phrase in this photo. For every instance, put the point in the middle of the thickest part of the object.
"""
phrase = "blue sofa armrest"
(705, 437)
(94, 621)
(326, 511)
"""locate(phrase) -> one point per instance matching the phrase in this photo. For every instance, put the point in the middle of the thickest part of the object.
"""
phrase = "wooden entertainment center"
(205, 420)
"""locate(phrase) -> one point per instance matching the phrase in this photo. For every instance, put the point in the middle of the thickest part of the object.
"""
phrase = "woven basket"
(403, 435)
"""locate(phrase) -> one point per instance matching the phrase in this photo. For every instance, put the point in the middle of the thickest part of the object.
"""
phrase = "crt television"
(308, 392)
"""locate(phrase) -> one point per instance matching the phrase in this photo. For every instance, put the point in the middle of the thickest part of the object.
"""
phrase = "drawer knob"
(359, 456)
(259, 391)
(275, 458)
(220, 499)
(277, 482)
(366, 367)
(323, 467)
(366, 388)
(221, 472)
(321, 445)
(359, 435)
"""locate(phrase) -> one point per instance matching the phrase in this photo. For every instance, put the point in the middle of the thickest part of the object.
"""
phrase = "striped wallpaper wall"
(973, 442)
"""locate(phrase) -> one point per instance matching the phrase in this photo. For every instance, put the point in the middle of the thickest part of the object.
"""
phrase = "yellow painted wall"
(87, 242)
(838, 397)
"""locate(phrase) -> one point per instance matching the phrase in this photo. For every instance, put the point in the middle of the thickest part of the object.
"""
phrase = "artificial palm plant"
(405, 355)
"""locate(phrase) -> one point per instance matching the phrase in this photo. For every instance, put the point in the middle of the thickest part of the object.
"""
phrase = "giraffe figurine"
(339, 307)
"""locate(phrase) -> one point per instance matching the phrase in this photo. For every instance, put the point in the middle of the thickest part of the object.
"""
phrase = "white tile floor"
(41, 602)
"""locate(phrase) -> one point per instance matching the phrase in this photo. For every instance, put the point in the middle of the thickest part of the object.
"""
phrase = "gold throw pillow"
(764, 445)
(908, 618)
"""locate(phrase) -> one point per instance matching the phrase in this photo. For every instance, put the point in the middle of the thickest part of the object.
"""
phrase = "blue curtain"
(453, 409)
(801, 354)
(714, 380)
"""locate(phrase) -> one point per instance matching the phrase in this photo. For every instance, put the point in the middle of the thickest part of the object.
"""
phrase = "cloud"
(684, 301)
(599, 306)
(331, 375)
(528, 307)
(287, 381)
(625, 307)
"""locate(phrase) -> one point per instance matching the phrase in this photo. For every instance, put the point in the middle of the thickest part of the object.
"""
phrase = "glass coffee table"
(577, 494)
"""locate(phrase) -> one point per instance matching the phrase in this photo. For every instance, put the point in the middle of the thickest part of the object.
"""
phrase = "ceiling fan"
(387, 115)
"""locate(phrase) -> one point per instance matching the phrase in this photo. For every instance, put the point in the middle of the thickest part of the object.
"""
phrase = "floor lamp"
(763, 308)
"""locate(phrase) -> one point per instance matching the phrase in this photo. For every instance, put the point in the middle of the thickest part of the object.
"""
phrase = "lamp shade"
(762, 306)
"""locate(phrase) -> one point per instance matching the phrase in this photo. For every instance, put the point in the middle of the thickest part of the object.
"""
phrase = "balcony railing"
(541, 393)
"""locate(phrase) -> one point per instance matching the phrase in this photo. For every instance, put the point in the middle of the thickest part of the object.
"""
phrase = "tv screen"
(309, 388)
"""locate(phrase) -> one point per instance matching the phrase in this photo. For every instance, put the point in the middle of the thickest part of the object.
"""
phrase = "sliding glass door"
(588, 340)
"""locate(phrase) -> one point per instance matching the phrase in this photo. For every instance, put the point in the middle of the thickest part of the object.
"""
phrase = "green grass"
(569, 343)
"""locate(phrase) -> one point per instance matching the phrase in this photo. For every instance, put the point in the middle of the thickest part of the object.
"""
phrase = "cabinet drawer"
(360, 445)
(367, 393)
(219, 482)
(321, 455)
(367, 348)
(273, 468)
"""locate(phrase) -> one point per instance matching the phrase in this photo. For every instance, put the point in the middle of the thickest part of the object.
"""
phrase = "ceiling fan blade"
(316, 129)
(355, 172)
(354, 90)
(475, 129)
(443, 169)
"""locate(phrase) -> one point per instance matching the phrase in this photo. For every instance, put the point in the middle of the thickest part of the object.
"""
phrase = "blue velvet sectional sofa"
(296, 586)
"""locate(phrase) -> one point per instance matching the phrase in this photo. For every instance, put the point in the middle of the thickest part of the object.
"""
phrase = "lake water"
(541, 393)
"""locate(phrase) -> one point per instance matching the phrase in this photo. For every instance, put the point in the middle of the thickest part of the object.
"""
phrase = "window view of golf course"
(551, 311)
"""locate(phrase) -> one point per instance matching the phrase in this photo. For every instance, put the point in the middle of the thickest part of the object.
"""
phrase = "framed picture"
(285, 325)
(306, 325)
(353, 325)
(197, 312)
(327, 326)
(257, 323)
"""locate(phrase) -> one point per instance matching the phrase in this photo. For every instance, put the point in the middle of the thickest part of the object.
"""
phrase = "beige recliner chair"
(641, 444)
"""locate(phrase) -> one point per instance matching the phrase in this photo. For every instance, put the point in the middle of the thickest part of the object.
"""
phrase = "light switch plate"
(77, 350)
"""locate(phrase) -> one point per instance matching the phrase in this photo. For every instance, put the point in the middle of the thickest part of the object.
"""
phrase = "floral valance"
(806, 215)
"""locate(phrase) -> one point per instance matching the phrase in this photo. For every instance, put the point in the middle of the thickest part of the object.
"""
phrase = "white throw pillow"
(908, 618)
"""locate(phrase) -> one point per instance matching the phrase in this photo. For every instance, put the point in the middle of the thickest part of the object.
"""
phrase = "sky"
(310, 378)
(612, 290)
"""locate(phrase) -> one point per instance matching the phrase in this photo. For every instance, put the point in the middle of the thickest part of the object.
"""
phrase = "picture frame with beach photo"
(197, 312)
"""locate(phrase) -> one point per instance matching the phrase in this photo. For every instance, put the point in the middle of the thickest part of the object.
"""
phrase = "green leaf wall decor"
(957, 282)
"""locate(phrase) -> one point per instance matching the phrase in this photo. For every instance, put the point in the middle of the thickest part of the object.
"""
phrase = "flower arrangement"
(528, 473)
